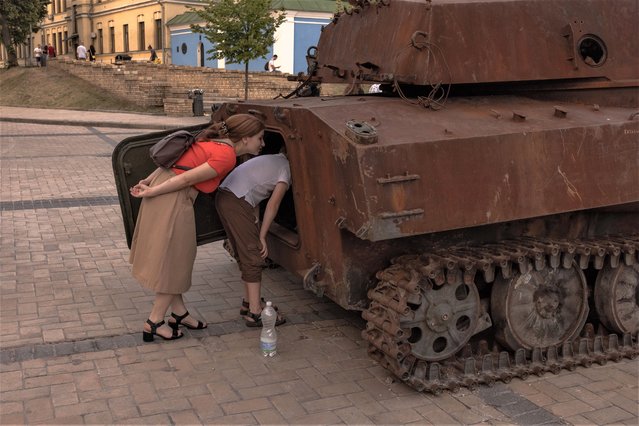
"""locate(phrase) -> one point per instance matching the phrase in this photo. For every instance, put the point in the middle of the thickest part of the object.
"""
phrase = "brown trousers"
(243, 232)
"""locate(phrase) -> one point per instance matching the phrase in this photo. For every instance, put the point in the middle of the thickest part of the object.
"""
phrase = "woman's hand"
(141, 190)
(264, 250)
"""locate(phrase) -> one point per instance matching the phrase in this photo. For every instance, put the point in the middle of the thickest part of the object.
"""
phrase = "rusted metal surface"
(460, 167)
(426, 42)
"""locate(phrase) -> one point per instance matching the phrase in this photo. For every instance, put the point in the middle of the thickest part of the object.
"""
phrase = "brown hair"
(235, 128)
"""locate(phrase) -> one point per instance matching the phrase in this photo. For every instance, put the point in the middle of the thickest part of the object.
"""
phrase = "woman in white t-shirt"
(236, 202)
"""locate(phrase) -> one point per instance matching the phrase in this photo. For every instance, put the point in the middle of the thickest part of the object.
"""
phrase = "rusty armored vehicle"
(482, 210)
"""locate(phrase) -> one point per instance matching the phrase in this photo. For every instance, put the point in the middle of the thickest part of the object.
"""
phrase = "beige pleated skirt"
(164, 241)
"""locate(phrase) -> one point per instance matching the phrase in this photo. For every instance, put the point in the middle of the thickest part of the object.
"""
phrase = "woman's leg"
(158, 312)
(179, 308)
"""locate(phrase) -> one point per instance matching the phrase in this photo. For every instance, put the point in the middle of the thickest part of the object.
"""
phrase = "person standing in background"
(37, 52)
(51, 51)
(154, 56)
(81, 52)
(45, 54)
(91, 53)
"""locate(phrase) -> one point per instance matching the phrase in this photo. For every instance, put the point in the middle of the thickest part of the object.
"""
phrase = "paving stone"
(435, 415)
(64, 394)
(101, 418)
(317, 418)
(205, 406)
(185, 417)
(14, 419)
(105, 343)
(23, 353)
(353, 416)
(500, 399)
(325, 404)
(38, 410)
(519, 408)
(244, 406)
(11, 380)
(165, 406)
(570, 408)
(122, 408)
(609, 415)
(65, 348)
(84, 346)
(626, 399)
(7, 356)
(11, 408)
(397, 417)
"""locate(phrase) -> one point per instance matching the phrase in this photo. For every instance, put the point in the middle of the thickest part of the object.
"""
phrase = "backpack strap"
(185, 168)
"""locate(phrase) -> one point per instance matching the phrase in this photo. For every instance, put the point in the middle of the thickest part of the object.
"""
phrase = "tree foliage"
(17, 19)
(240, 30)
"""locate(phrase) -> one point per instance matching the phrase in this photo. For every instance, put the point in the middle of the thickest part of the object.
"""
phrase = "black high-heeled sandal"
(245, 307)
(148, 336)
(178, 320)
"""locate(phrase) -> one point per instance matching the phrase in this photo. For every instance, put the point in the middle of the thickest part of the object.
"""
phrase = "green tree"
(17, 19)
(240, 30)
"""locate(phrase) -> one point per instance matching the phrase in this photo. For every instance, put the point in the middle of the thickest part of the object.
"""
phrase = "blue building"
(300, 31)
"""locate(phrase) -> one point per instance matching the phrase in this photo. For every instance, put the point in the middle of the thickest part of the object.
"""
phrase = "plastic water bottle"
(268, 338)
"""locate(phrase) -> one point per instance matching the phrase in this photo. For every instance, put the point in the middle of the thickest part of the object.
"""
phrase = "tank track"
(480, 362)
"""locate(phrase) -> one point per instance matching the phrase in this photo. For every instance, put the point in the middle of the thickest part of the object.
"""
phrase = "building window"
(141, 36)
(65, 45)
(125, 37)
(64, 4)
(158, 34)
(57, 6)
(112, 39)
(100, 41)
(58, 49)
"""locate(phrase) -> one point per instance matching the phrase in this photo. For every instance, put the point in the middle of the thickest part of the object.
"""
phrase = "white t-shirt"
(256, 178)
(271, 65)
(82, 52)
(37, 51)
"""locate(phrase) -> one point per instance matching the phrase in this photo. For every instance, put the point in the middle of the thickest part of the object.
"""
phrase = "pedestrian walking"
(154, 56)
(81, 52)
(164, 241)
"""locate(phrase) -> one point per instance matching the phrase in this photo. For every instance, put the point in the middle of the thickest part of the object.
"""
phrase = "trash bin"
(198, 101)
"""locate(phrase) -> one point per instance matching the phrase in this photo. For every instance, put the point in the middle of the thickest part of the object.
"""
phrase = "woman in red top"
(164, 241)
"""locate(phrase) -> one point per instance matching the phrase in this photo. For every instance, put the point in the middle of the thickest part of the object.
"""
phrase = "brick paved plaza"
(71, 317)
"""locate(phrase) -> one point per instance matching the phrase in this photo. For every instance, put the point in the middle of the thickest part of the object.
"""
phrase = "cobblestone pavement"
(71, 315)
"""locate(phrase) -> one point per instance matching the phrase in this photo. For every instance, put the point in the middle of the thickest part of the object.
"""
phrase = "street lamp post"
(162, 37)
